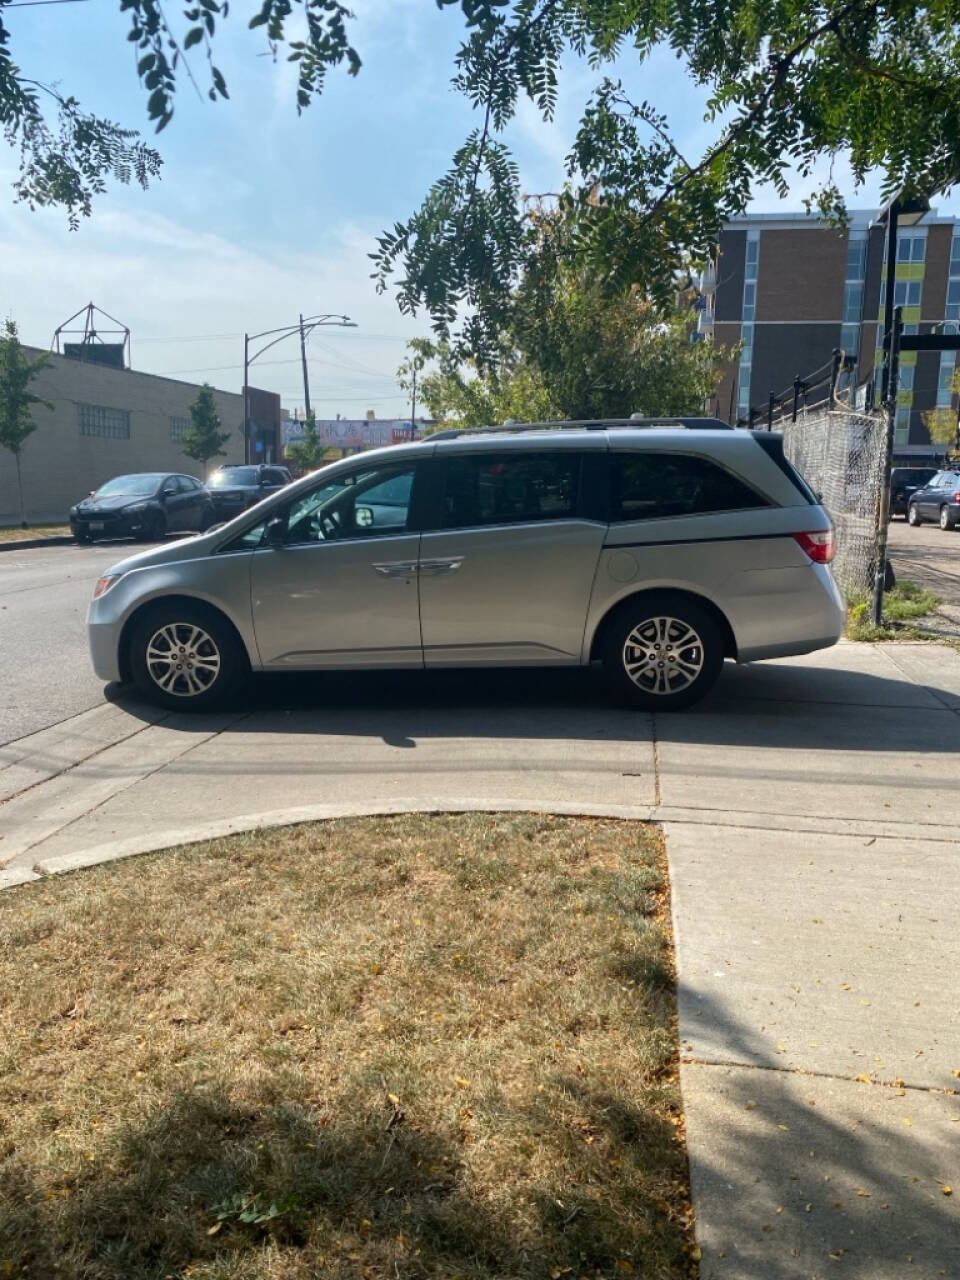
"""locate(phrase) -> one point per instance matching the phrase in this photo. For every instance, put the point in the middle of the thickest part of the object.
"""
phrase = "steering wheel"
(329, 524)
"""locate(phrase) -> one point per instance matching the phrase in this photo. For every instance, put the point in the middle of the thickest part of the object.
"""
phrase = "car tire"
(947, 518)
(154, 528)
(208, 518)
(83, 539)
(663, 652)
(913, 516)
(186, 657)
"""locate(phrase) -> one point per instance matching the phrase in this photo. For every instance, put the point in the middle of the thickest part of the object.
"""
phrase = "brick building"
(791, 289)
(109, 421)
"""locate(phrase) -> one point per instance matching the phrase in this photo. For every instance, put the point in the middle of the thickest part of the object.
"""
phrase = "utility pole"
(306, 379)
(413, 406)
(246, 398)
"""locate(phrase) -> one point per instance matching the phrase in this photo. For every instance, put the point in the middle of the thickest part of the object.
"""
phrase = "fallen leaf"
(461, 1083)
(844, 986)
(907, 1120)
(863, 1079)
(785, 1127)
(947, 1191)
(212, 1231)
(838, 1254)
(392, 1097)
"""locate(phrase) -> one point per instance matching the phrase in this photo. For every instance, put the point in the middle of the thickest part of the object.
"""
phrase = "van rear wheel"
(662, 653)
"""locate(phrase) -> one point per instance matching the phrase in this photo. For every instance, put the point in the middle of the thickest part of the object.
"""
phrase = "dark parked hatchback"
(234, 488)
(144, 505)
(903, 482)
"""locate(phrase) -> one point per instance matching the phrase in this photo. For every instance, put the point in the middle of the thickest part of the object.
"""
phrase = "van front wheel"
(662, 653)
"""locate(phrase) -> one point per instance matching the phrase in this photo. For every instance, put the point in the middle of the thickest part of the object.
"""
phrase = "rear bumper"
(801, 612)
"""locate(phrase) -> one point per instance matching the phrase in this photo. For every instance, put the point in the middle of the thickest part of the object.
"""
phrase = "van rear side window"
(651, 486)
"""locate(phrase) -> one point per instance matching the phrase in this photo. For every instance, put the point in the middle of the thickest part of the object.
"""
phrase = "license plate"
(95, 527)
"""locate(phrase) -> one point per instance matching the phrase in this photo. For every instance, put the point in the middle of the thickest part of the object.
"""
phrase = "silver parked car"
(658, 549)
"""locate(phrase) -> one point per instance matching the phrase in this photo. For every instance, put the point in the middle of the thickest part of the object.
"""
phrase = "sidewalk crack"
(896, 1083)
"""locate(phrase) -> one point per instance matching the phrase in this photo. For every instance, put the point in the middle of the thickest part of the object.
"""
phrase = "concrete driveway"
(810, 812)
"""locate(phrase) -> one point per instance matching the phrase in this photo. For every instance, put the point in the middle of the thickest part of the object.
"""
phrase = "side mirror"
(276, 531)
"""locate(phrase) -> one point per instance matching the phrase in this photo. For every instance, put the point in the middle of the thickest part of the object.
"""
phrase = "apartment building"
(107, 421)
(791, 289)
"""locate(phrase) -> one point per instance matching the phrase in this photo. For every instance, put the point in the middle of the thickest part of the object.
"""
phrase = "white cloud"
(169, 282)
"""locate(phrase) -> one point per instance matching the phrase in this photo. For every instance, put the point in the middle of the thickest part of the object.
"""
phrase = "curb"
(28, 544)
(275, 819)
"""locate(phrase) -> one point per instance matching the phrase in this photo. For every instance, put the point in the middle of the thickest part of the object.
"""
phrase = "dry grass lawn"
(9, 534)
(399, 1048)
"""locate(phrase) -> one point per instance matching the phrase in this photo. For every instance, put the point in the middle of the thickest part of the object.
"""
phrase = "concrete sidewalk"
(811, 821)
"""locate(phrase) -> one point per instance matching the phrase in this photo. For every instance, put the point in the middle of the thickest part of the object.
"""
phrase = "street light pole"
(304, 326)
(306, 379)
(246, 398)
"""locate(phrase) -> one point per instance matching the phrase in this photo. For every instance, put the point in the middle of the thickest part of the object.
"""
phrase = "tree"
(944, 424)
(17, 371)
(791, 82)
(204, 440)
(567, 350)
(67, 154)
(309, 451)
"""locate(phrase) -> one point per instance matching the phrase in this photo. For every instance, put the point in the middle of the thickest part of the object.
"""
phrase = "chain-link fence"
(839, 452)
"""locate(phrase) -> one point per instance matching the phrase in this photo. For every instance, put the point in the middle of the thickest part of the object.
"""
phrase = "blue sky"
(261, 214)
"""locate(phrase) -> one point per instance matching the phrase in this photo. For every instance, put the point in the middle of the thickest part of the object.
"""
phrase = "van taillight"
(820, 546)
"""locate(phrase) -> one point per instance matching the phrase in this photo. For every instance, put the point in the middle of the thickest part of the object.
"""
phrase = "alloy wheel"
(663, 655)
(182, 659)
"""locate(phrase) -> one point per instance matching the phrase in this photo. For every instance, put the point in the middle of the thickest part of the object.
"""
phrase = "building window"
(852, 303)
(906, 376)
(850, 339)
(901, 429)
(912, 246)
(908, 293)
(857, 255)
(953, 300)
(179, 428)
(96, 420)
(948, 369)
(749, 300)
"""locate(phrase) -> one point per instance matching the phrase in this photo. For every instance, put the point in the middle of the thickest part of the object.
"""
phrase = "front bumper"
(118, 524)
(103, 636)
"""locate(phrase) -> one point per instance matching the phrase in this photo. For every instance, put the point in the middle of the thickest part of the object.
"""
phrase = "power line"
(29, 4)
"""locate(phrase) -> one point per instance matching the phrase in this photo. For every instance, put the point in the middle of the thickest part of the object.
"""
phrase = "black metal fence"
(818, 389)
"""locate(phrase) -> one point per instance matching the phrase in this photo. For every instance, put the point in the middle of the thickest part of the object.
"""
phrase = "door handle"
(396, 568)
(437, 568)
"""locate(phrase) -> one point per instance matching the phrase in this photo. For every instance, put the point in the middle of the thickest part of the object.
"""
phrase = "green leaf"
(193, 36)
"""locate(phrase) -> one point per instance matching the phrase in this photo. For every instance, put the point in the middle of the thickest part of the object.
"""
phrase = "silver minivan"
(657, 549)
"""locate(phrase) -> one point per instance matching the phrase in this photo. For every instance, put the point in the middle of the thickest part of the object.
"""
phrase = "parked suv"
(236, 487)
(904, 482)
(656, 549)
(939, 500)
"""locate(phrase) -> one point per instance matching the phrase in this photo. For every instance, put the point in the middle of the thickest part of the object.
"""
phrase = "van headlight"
(104, 584)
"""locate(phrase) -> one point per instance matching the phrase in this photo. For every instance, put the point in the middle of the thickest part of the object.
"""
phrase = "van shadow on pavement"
(769, 705)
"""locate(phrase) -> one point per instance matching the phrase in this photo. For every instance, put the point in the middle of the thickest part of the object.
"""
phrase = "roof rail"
(587, 424)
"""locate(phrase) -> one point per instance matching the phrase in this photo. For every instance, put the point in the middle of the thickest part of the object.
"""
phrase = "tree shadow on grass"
(351, 1196)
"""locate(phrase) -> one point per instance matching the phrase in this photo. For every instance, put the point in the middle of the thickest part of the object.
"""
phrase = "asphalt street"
(927, 556)
(45, 673)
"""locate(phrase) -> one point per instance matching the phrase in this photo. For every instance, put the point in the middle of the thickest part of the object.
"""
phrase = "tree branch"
(780, 68)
